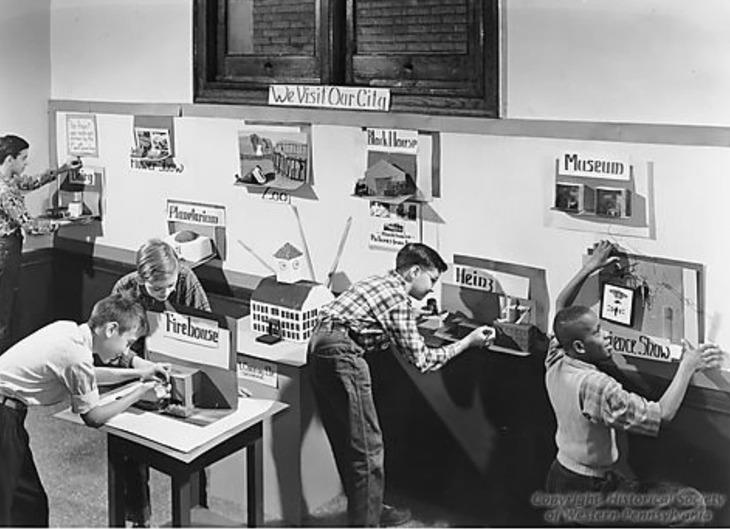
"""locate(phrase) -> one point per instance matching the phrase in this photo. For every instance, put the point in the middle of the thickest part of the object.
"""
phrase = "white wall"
(653, 61)
(122, 50)
(26, 80)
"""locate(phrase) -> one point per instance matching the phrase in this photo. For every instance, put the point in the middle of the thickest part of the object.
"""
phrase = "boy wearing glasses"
(370, 316)
(54, 363)
(160, 280)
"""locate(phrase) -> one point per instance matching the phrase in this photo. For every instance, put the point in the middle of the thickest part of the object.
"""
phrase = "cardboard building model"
(286, 304)
(191, 247)
(385, 179)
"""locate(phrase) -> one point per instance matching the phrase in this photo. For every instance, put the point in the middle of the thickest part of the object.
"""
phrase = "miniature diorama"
(196, 231)
(191, 247)
(286, 306)
(203, 382)
(613, 202)
(598, 193)
(385, 179)
(177, 397)
(391, 166)
(78, 197)
(510, 298)
(276, 157)
(154, 145)
(574, 198)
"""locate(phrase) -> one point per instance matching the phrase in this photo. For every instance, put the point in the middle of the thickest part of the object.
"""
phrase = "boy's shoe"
(392, 516)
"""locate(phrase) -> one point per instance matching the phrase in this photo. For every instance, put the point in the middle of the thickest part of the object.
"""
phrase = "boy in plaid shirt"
(370, 316)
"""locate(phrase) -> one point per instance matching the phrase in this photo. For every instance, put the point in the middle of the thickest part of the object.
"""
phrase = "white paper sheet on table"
(173, 432)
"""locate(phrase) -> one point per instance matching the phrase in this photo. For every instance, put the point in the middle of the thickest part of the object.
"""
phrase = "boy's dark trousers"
(342, 388)
(23, 502)
(10, 256)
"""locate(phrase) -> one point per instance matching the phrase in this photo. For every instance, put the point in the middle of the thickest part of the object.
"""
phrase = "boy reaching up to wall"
(43, 369)
(591, 405)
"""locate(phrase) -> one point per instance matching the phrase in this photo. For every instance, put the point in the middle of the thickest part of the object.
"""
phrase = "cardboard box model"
(574, 198)
(287, 304)
(190, 246)
(200, 347)
(613, 202)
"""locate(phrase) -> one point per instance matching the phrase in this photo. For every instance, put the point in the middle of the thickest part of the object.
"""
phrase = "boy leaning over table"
(43, 369)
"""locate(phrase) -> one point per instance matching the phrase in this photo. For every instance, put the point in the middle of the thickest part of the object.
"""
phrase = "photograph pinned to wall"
(197, 231)
(617, 304)
(274, 156)
(81, 135)
(392, 167)
(154, 144)
(601, 193)
(392, 226)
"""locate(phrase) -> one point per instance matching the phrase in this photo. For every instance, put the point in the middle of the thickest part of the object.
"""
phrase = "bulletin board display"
(648, 306)
(600, 193)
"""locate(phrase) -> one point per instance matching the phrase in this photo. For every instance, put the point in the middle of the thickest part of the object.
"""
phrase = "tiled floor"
(72, 462)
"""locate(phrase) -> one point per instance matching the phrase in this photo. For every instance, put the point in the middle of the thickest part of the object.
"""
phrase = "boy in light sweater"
(589, 404)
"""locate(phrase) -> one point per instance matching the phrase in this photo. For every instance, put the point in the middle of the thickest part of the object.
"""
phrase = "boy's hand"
(601, 256)
(156, 372)
(706, 356)
(71, 165)
(481, 336)
(154, 390)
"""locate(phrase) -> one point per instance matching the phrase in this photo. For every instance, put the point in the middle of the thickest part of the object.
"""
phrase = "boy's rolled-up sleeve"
(81, 383)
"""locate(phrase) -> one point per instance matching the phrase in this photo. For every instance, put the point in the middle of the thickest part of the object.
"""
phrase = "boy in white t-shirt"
(44, 368)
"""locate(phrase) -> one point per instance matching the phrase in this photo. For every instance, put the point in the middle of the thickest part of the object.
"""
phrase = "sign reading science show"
(633, 343)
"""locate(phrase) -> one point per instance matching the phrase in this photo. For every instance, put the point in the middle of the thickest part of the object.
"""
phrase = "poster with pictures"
(81, 135)
(273, 156)
(617, 304)
(154, 144)
(392, 226)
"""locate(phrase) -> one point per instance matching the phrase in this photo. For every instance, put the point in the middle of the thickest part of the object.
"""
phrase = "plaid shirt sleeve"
(192, 291)
(604, 401)
(29, 183)
(409, 342)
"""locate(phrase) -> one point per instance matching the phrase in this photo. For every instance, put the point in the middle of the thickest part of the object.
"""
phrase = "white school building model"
(287, 304)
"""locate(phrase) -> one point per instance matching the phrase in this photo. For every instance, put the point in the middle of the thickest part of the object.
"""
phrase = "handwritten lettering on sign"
(81, 135)
(342, 97)
(276, 195)
(193, 330)
(643, 346)
(572, 164)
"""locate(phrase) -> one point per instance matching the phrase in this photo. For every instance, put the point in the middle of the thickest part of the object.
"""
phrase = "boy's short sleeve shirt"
(50, 364)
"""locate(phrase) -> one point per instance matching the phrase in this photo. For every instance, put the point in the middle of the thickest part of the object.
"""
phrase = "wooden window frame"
(335, 62)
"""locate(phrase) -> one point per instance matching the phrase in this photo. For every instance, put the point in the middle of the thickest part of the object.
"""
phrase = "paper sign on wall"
(392, 226)
(260, 371)
(491, 281)
(81, 137)
(344, 97)
(189, 329)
